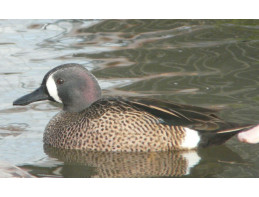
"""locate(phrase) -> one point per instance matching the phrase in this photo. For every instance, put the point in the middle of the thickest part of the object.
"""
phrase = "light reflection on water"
(210, 63)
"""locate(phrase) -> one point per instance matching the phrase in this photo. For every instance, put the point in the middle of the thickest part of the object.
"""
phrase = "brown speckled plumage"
(112, 125)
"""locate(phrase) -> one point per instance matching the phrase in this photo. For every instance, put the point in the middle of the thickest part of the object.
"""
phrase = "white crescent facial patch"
(52, 88)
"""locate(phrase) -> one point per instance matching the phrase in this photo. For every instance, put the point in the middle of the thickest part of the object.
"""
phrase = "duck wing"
(197, 118)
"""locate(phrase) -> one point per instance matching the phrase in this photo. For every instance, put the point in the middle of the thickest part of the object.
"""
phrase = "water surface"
(208, 63)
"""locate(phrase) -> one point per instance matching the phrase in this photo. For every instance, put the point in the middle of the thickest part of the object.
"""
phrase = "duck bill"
(37, 95)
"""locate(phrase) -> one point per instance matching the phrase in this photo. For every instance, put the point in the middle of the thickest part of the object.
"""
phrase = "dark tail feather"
(217, 138)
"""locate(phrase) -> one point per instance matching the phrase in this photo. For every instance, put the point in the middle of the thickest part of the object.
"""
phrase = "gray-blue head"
(70, 84)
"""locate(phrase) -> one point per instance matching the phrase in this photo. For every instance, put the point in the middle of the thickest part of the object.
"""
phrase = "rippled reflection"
(152, 164)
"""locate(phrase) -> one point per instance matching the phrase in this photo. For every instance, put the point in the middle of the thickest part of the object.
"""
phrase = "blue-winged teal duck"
(89, 121)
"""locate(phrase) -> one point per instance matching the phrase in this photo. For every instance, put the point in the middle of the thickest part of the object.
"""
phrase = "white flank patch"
(192, 159)
(52, 89)
(191, 139)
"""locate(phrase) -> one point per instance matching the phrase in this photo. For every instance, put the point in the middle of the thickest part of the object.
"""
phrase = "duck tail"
(217, 138)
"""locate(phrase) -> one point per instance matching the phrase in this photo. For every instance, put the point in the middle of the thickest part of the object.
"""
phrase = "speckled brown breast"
(112, 125)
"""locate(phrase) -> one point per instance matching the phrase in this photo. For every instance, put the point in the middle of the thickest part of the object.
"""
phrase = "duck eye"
(60, 81)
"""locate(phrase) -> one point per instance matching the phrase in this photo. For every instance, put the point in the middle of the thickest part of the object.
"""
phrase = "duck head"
(70, 84)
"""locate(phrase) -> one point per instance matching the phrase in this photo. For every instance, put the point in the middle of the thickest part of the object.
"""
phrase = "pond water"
(208, 63)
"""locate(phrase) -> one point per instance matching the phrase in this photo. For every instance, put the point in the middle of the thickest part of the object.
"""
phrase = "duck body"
(128, 125)
(112, 124)
(89, 121)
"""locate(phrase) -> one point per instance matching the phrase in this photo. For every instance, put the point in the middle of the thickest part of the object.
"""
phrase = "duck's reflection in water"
(114, 164)
(139, 164)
